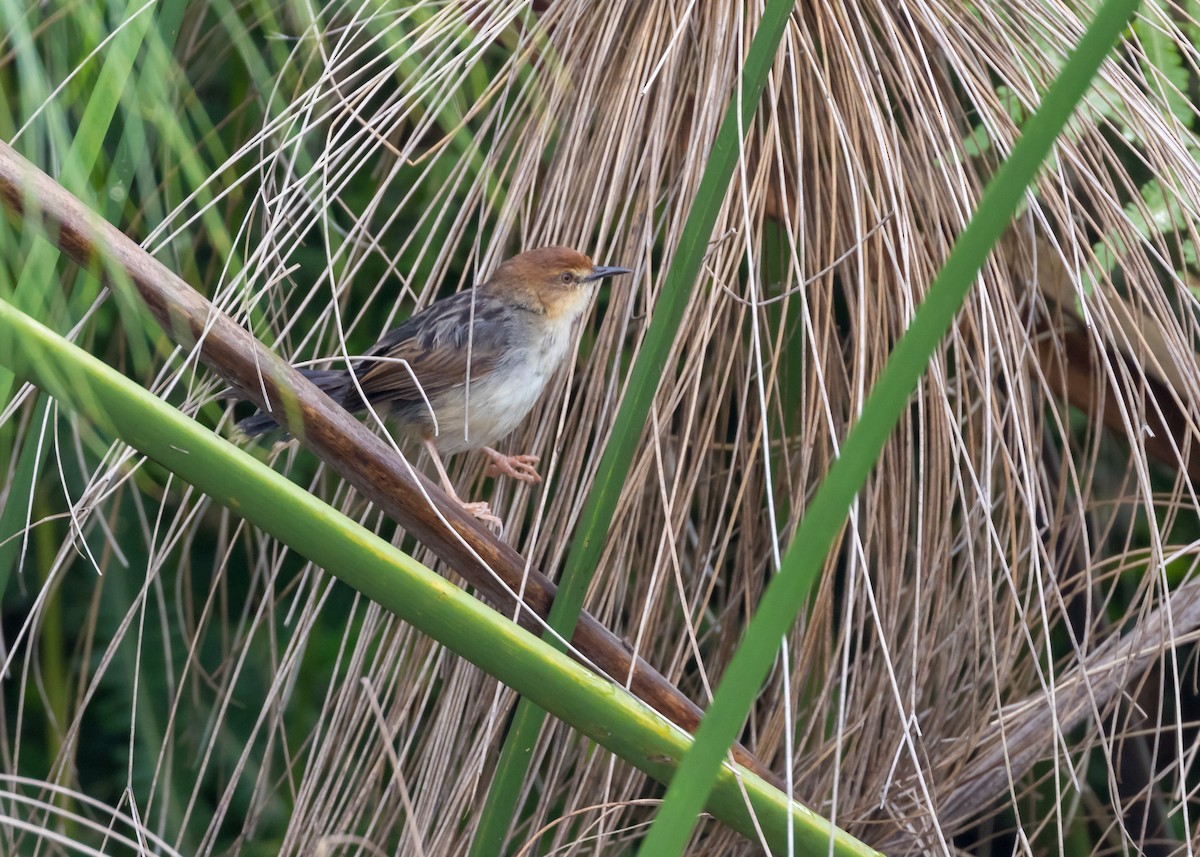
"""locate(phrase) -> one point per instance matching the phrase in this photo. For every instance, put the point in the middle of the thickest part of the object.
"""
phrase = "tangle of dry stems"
(986, 553)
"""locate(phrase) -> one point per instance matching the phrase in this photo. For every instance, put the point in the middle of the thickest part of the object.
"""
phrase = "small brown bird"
(462, 374)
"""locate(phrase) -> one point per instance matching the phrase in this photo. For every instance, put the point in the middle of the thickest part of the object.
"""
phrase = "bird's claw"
(519, 467)
(481, 511)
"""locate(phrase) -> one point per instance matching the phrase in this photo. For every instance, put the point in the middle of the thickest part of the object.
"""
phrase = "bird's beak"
(601, 271)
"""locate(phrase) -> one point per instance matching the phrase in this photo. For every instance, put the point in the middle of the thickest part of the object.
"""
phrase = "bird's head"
(556, 280)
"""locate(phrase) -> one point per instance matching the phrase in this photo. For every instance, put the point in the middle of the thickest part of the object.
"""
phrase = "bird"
(461, 374)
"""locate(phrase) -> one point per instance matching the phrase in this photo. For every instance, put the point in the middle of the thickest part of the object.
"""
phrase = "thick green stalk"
(888, 401)
(644, 378)
(380, 571)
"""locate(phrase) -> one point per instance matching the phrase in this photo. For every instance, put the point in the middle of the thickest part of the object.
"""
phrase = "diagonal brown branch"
(1025, 731)
(360, 457)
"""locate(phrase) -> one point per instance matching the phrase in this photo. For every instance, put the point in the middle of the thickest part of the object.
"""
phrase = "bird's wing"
(434, 343)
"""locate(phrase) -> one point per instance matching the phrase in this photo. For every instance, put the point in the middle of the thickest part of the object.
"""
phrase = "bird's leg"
(519, 467)
(480, 509)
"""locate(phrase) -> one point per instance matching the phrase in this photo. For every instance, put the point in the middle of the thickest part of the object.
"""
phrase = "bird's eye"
(567, 277)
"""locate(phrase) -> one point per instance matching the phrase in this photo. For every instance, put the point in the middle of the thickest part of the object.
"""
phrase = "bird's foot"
(519, 467)
(481, 511)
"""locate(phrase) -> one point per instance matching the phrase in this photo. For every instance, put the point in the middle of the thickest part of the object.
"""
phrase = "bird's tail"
(333, 382)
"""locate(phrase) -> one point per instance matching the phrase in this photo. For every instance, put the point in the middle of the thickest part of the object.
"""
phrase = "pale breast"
(495, 404)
